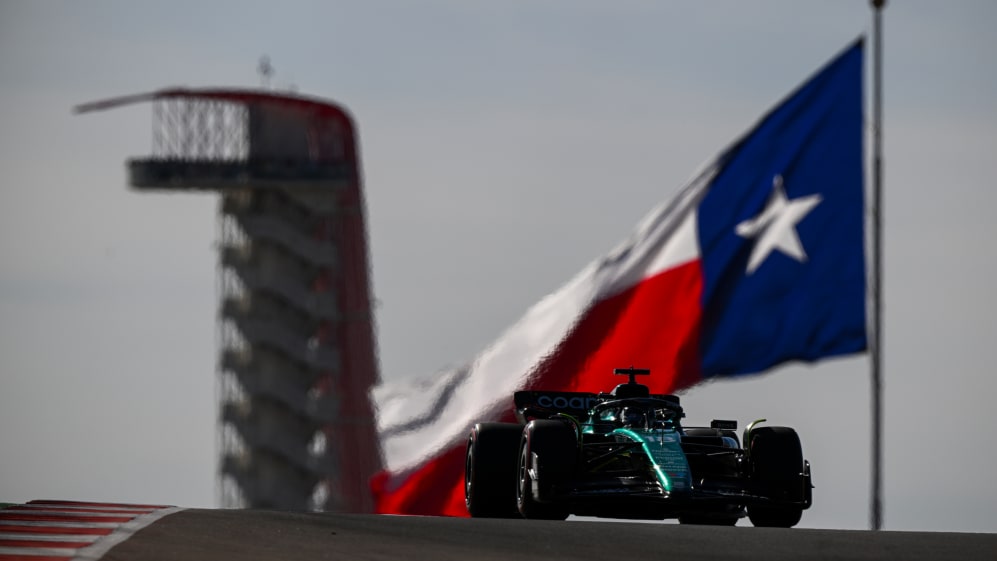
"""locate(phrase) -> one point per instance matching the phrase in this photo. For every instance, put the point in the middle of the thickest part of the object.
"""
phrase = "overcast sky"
(504, 145)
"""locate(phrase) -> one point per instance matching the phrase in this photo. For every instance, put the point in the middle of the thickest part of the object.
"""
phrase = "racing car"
(626, 454)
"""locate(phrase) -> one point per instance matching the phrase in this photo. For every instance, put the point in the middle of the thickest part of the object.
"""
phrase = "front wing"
(643, 494)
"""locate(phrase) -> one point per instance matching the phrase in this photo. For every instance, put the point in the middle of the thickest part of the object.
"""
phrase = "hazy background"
(505, 145)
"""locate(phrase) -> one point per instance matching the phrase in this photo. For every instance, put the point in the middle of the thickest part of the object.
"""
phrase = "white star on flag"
(775, 227)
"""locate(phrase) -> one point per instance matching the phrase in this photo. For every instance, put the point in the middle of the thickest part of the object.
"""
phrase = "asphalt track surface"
(254, 535)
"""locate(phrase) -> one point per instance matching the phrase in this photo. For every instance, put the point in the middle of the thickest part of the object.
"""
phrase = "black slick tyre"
(490, 470)
(777, 467)
(549, 450)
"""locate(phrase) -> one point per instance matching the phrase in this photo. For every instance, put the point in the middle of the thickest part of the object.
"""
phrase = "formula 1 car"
(625, 454)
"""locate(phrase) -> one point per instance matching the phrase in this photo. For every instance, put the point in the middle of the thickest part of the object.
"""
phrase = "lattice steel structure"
(297, 356)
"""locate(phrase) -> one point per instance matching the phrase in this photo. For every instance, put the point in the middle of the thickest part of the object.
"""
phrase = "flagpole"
(876, 355)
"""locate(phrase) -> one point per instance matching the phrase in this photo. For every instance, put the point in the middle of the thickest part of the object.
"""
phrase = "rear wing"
(541, 404)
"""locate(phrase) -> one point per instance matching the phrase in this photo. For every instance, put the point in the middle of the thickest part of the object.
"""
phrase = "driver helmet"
(633, 417)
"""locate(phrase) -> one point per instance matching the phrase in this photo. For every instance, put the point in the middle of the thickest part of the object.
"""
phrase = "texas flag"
(757, 261)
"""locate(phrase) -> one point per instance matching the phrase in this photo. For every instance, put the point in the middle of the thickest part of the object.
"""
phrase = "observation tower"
(297, 356)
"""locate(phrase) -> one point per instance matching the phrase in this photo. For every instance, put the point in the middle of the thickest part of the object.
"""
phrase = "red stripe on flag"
(428, 491)
(654, 324)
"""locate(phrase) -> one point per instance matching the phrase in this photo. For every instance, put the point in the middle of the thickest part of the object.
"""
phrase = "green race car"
(625, 454)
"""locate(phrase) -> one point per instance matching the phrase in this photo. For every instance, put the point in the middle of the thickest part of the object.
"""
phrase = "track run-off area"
(64, 530)
(50, 530)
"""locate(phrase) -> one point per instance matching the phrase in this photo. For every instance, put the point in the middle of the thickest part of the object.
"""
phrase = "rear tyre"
(490, 470)
(555, 446)
(777, 470)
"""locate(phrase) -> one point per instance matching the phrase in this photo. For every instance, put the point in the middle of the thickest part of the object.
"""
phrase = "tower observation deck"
(297, 356)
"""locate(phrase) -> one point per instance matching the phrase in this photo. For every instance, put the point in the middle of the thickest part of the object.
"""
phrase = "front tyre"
(777, 470)
(548, 449)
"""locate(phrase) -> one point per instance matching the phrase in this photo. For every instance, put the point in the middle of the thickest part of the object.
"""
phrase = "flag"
(757, 261)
